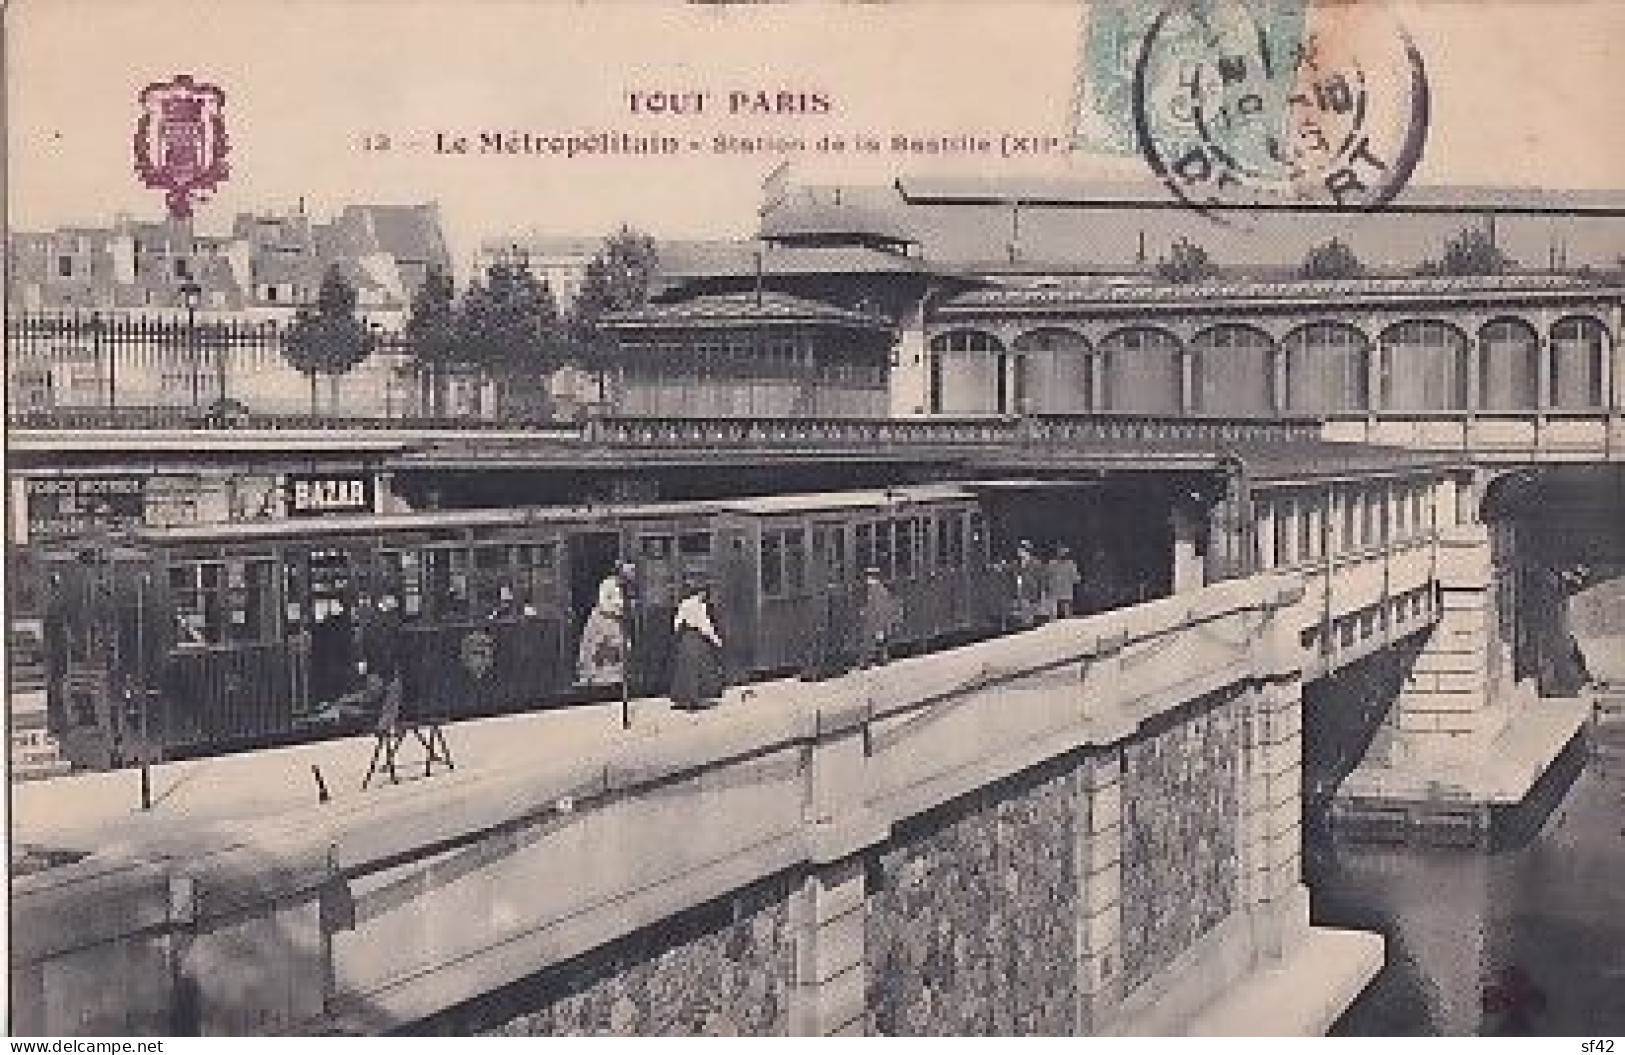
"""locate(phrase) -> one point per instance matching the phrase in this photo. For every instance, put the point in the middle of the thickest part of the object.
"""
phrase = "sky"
(1523, 94)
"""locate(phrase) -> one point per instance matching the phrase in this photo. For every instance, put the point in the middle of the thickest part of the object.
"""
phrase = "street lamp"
(105, 370)
(191, 295)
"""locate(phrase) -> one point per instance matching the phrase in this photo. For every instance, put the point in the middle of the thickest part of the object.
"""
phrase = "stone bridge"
(1090, 828)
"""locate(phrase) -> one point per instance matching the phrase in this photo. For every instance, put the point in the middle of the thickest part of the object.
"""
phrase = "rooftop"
(1072, 291)
(734, 309)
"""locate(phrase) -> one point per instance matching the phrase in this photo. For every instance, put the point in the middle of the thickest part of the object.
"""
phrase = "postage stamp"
(1241, 103)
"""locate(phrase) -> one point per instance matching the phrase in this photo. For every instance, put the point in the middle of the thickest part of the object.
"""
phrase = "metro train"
(183, 641)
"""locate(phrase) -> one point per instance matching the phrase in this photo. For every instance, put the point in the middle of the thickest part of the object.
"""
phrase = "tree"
(618, 278)
(431, 334)
(329, 338)
(1471, 251)
(509, 326)
(1333, 259)
(1186, 262)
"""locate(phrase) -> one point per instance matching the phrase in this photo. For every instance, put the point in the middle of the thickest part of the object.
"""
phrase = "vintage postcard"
(1071, 517)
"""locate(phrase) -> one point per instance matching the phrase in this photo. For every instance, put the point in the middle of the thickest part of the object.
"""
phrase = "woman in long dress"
(698, 676)
(601, 659)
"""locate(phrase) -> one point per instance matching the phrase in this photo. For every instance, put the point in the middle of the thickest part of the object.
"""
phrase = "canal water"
(1526, 939)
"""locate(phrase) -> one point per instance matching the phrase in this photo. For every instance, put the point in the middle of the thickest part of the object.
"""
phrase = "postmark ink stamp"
(1240, 104)
(181, 142)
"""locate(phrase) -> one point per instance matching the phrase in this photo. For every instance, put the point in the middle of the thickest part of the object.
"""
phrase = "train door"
(834, 600)
(787, 591)
(668, 554)
(592, 555)
(735, 585)
(104, 635)
(320, 596)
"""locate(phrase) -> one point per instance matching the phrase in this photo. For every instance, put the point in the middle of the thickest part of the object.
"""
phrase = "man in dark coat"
(879, 620)
(382, 644)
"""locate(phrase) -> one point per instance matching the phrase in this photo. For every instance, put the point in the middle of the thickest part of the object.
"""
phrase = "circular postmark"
(1315, 103)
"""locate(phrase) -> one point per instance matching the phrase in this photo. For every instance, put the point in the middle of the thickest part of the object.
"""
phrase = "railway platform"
(99, 811)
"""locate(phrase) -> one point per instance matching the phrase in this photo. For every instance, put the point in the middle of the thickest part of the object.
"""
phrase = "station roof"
(728, 310)
(732, 259)
(810, 214)
(1084, 293)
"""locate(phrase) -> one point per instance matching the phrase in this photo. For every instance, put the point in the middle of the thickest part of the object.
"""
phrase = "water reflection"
(1529, 939)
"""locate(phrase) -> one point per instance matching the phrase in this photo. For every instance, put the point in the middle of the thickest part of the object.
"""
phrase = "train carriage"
(167, 642)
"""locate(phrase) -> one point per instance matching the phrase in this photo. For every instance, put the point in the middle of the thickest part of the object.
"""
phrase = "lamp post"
(220, 343)
(375, 330)
(191, 295)
(98, 350)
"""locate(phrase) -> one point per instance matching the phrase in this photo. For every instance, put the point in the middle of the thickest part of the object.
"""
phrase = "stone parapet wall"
(1092, 827)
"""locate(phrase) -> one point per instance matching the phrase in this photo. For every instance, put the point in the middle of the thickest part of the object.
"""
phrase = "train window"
(538, 556)
(1347, 498)
(1368, 520)
(694, 544)
(863, 543)
(250, 600)
(784, 562)
(884, 551)
(1402, 512)
(903, 547)
(655, 547)
(795, 560)
(838, 568)
(493, 580)
(534, 571)
(772, 564)
(411, 584)
(446, 583)
(1282, 554)
(293, 592)
(195, 589)
(1307, 512)
(976, 552)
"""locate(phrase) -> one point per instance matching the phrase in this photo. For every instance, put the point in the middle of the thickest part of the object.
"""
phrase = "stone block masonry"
(1029, 836)
(726, 968)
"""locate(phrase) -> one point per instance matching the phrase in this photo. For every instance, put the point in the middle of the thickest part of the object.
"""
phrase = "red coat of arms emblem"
(180, 140)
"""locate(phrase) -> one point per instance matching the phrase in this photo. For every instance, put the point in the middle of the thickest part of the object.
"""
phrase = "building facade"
(1515, 344)
(765, 354)
(160, 314)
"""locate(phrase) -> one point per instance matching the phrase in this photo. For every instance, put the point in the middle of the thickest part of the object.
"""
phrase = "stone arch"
(964, 369)
(1233, 367)
(1422, 366)
(1508, 364)
(1580, 345)
(1327, 368)
(1057, 367)
(1142, 371)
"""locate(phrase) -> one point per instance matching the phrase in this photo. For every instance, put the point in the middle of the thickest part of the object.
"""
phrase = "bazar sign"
(320, 495)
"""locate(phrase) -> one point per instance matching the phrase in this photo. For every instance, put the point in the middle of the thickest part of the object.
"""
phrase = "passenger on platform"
(698, 673)
(1030, 587)
(332, 648)
(880, 619)
(382, 643)
(601, 659)
(1062, 575)
(1003, 593)
(368, 698)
